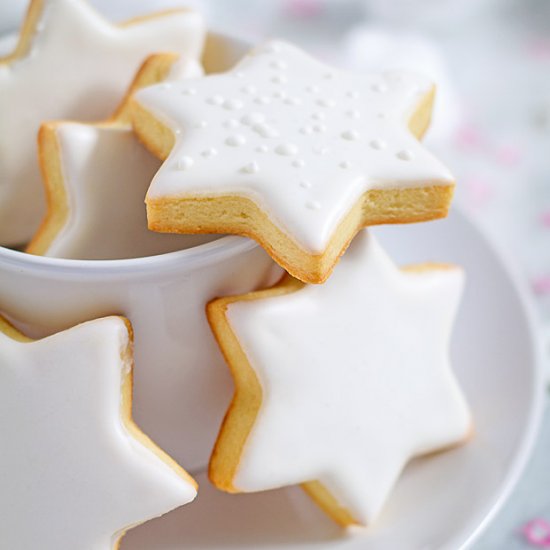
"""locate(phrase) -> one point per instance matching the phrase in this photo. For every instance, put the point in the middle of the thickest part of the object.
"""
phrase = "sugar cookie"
(292, 153)
(339, 386)
(96, 178)
(69, 64)
(75, 470)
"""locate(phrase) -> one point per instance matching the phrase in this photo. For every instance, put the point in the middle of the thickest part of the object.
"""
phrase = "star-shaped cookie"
(75, 471)
(96, 177)
(69, 64)
(338, 386)
(292, 153)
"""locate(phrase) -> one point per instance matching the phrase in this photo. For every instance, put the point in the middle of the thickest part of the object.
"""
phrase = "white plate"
(442, 502)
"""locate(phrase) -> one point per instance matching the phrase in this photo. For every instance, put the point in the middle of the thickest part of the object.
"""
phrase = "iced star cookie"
(75, 471)
(292, 153)
(338, 386)
(69, 64)
(96, 177)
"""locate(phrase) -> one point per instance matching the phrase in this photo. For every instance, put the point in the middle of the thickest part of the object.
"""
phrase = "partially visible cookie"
(75, 470)
(292, 153)
(96, 177)
(70, 63)
(338, 386)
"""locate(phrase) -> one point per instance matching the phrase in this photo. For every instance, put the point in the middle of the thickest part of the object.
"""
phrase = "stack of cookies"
(342, 371)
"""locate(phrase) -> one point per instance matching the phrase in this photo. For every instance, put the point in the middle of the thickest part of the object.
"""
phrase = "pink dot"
(303, 9)
(545, 218)
(509, 155)
(537, 533)
(479, 191)
(539, 48)
(468, 137)
(541, 286)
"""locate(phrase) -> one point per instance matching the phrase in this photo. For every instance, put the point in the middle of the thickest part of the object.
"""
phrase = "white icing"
(356, 378)
(106, 173)
(291, 105)
(79, 68)
(72, 476)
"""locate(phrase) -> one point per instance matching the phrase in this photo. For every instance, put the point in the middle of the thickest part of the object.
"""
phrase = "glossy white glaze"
(106, 173)
(356, 378)
(280, 118)
(72, 475)
(78, 67)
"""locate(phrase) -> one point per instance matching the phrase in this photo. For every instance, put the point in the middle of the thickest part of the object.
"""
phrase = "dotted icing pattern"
(303, 141)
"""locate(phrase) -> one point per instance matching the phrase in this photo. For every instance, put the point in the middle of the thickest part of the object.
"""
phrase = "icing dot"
(233, 104)
(262, 149)
(405, 155)
(354, 113)
(305, 184)
(320, 150)
(350, 135)
(312, 89)
(264, 130)
(313, 205)
(249, 89)
(306, 130)
(299, 163)
(177, 131)
(215, 100)
(286, 149)
(231, 123)
(201, 124)
(235, 140)
(250, 168)
(278, 64)
(345, 164)
(378, 144)
(319, 128)
(189, 91)
(185, 162)
(252, 118)
(326, 102)
(379, 87)
(262, 100)
(318, 116)
(352, 94)
(212, 152)
(279, 79)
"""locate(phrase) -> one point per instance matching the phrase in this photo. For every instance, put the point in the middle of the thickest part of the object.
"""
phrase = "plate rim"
(526, 446)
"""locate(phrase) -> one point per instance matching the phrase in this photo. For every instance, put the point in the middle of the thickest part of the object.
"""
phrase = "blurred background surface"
(491, 61)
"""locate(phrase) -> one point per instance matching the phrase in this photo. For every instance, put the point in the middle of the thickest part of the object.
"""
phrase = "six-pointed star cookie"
(69, 64)
(75, 471)
(291, 153)
(339, 386)
(97, 175)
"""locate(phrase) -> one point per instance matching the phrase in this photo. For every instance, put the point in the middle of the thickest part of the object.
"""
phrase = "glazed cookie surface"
(70, 63)
(338, 386)
(75, 470)
(96, 177)
(292, 153)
